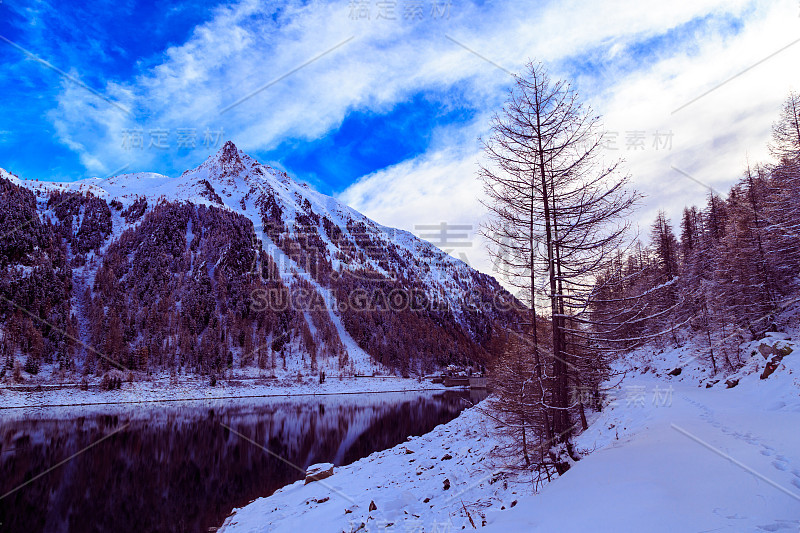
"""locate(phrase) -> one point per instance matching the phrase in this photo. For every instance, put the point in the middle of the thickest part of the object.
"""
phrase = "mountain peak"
(228, 153)
(228, 161)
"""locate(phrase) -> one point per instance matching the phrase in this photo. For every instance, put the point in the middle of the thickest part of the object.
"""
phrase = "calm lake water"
(168, 467)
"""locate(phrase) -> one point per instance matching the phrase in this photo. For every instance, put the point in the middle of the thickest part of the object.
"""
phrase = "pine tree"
(785, 145)
(665, 246)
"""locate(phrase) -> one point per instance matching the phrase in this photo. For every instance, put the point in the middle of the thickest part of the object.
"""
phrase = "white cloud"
(714, 134)
(710, 138)
(439, 187)
(243, 49)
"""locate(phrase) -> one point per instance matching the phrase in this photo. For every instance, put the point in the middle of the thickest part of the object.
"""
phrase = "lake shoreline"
(430, 482)
(198, 459)
(200, 390)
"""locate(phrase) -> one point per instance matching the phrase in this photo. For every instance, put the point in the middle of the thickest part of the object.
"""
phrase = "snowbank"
(699, 460)
(687, 452)
(429, 483)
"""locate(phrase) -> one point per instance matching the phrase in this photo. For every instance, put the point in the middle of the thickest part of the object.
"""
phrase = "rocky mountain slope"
(231, 263)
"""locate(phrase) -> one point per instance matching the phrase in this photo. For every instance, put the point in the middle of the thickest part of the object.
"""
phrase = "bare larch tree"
(556, 217)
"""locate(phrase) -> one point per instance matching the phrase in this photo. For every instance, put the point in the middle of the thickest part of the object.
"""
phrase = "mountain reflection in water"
(177, 468)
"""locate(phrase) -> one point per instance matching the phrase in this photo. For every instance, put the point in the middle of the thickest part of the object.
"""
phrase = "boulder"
(769, 369)
(774, 351)
(318, 471)
(778, 348)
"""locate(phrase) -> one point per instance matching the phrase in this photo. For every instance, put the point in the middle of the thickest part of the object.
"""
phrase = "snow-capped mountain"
(234, 262)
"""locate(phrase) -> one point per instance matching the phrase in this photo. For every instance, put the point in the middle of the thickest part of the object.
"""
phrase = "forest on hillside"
(560, 221)
(176, 287)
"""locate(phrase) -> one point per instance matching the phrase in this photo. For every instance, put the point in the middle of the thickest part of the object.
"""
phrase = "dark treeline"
(181, 287)
(724, 274)
(35, 282)
(383, 304)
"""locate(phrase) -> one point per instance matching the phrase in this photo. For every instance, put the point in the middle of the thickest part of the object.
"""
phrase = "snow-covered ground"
(695, 460)
(406, 484)
(666, 454)
(191, 389)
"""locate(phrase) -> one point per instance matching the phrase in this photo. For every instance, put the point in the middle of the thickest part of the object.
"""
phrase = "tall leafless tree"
(557, 216)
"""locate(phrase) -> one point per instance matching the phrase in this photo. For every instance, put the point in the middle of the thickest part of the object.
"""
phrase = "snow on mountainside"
(358, 279)
(233, 180)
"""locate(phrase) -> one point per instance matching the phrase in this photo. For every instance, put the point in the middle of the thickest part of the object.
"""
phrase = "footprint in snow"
(782, 466)
(780, 524)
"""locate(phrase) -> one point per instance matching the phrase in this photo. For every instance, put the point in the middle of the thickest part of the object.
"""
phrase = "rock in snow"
(318, 471)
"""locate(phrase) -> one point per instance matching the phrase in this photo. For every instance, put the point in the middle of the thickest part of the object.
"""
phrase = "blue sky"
(367, 141)
(99, 43)
(388, 115)
(115, 43)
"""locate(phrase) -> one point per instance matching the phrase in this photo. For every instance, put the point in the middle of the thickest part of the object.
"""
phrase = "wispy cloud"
(245, 46)
(712, 139)
(634, 62)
